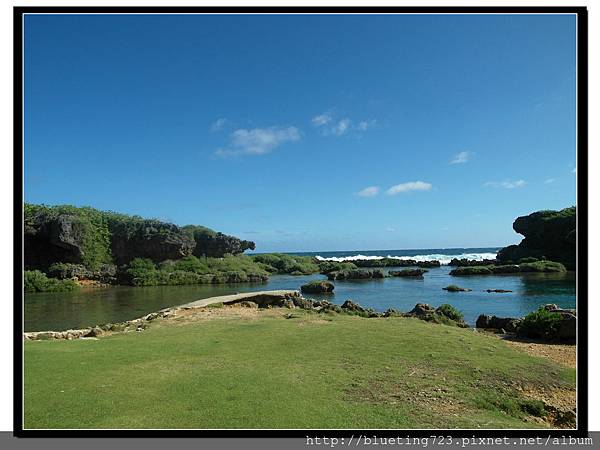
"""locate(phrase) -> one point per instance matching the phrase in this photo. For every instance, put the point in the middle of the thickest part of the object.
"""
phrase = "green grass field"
(307, 371)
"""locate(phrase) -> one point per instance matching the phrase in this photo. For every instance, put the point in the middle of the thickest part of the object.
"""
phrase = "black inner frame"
(582, 220)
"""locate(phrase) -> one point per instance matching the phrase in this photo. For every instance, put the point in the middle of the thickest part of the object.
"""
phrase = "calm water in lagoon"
(59, 311)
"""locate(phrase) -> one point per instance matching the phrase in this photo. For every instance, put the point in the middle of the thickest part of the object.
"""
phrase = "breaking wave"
(442, 258)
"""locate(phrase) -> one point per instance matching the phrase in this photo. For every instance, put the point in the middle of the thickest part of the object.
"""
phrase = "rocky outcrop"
(355, 274)
(431, 263)
(508, 324)
(455, 288)
(548, 234)
(318, 287)
(407, 273)
(214, 244)
(151, 239)
(89, 237)
(444, 314)
(54, 239)
(463, 262)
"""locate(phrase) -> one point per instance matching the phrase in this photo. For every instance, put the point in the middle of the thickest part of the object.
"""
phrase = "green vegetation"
(287, 264)
(90, 227)
(542, 266)
(36, 281)
(450, 312)
(326, 267)
(537, 266)
(541, 324)
(276, 373)
(193, 270)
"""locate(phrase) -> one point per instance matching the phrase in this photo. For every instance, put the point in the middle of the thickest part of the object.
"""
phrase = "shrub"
(326, 267)
(288, 264)
(543, 266)
(474, 270)
(540, 324)
(450, 312)
(36, 281)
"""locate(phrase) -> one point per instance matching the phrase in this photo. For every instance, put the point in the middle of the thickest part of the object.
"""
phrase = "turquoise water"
(58, 311)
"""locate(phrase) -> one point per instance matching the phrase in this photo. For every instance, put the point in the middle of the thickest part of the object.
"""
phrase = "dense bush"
(326, 267)
(287, 264)
(542, 266)
(541, 324)
(36, 281)
(450, 312)
(193, 270)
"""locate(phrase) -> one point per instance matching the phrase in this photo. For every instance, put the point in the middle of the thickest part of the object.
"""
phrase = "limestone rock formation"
(548, 234)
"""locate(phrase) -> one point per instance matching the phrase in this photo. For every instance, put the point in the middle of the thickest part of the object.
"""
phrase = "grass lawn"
(269, 371)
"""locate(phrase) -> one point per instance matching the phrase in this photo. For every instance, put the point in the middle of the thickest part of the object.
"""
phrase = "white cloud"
(330, 125)
(574, 170)
(550, 180)
(258, 141)
(321, 119)
(341, 127)
(370, 191)
(407, 187)
(364, 125)
(507, 184)
(390, 229)
(461, 158)
(218, 124)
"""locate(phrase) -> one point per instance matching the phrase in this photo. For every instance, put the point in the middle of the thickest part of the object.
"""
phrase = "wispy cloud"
(364, 125)
(341, 127)
(219, 124)
(550, 180)
(322, 119)
(390, 229)
(370, 191)
(574, 170)
(329, 125)
(409, 186)
(258, 141)
(461, 158)
(507, 184)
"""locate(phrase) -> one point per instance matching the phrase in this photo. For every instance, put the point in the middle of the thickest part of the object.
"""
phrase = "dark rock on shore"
(384, 262)
(455, 262)
(421, 309)
(355, 308)
(444, 314)
(477, 270)
(318, 287)
(432, 263)
(509, 324)
(455, 288)
(407, 273)
(355, 274)
(548, 234)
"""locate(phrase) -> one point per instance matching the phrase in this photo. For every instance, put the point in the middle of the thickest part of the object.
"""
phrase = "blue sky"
(306, 133)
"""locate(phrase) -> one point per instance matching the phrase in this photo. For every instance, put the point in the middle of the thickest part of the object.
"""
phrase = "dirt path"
(560, 353)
